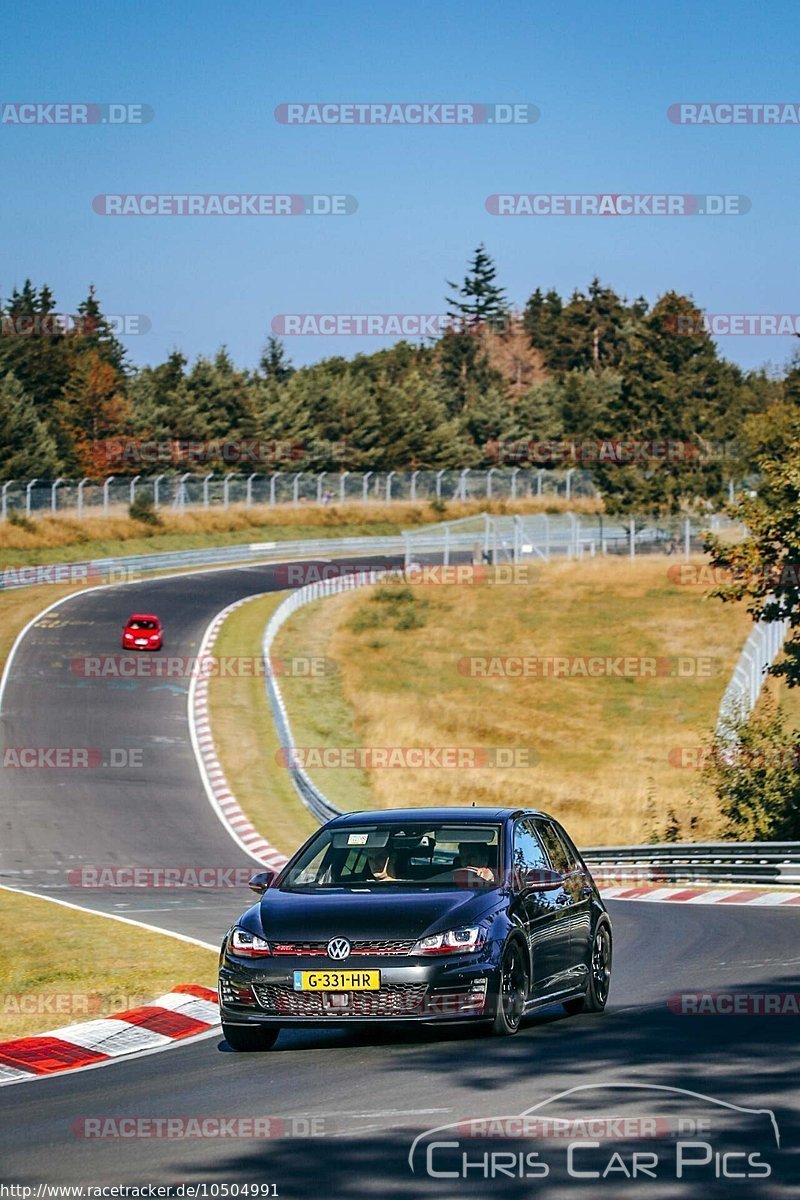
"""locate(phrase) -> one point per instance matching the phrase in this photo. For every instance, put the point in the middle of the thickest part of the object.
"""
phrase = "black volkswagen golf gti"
(423, 915)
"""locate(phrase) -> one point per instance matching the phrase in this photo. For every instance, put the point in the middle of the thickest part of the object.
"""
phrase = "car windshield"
(139, 624)
(405, 855)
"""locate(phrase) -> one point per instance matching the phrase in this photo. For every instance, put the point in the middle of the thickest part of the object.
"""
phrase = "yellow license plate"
(337, 981)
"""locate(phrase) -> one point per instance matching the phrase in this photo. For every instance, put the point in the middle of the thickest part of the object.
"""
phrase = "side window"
(561, 858)
(527, 853)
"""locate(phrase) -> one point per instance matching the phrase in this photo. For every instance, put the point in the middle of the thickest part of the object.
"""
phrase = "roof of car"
(142, 617)
(389, 815)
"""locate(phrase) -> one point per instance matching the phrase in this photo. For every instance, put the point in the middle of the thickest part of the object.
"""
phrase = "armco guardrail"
(309, 793)
(690, 862)
(142, 564)
(762, 647)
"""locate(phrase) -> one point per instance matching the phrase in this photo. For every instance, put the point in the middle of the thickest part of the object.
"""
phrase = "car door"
(574, 901)
(538, 912)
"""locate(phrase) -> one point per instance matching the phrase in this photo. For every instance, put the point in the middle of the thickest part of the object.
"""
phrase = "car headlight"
(453, 941)
(246, 944)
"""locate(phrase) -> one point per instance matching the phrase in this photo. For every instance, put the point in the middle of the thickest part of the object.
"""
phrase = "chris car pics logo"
(616, 1132)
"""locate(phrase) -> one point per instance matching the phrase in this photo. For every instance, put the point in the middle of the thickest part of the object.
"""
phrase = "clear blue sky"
(602, 74)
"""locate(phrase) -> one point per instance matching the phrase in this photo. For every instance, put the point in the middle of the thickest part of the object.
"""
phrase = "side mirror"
(261, 881)
(540, 879)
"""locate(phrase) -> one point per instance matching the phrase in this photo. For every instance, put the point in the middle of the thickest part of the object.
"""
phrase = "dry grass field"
(605, 748)
(54, 981)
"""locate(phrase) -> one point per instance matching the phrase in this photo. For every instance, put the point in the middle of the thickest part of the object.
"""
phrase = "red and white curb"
(707, 895)
(185, 1012)
(219, 793)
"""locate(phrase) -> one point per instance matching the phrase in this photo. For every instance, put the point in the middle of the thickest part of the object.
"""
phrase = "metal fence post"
(225, 488)
(206, 482)
(31, 482)
(248, 492)
(79, 505)
(633, 538)
(156, 486)
(389, 479)
(179, 499)
(296, 487)
(365, 486)
(413, 488)
(687, 538)
(342, 479)
(132, 491)
(272, 480)
(54, 494)
(439, 475)
(4, 502)
(106, 485)
(514, 473)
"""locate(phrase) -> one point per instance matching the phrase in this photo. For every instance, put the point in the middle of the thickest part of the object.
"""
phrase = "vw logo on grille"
(338, 948)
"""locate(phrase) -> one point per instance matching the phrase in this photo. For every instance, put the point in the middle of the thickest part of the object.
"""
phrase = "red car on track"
(143, 632)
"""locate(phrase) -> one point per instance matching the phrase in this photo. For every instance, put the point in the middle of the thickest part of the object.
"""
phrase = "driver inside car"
(382, 863)
(474, 856)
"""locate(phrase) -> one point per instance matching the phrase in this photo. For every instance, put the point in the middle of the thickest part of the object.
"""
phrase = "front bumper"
(419, 991)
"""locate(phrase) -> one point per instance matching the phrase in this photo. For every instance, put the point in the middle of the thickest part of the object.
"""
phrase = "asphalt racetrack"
(348, 1104)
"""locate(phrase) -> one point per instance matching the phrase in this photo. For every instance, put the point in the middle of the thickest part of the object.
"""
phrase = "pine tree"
(478, 300)
(28, 449)
(274, 363)
(93, 332)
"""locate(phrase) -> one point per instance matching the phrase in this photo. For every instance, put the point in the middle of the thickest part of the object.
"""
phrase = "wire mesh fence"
(220, 489)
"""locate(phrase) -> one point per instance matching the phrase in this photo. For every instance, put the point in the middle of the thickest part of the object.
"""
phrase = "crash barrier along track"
(317, 803)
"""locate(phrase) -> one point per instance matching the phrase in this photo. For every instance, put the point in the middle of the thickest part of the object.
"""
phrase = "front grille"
(315, 949)
(393, 999)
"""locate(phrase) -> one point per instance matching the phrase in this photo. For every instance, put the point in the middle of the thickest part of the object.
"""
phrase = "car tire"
(512, 990)
(596, 997)
(250, 1037)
